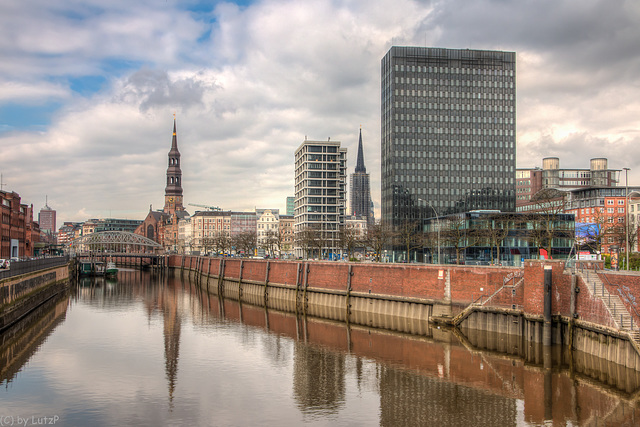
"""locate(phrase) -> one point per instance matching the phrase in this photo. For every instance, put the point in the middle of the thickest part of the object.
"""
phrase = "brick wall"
(408, 281)
(284, 273)
(533, 295)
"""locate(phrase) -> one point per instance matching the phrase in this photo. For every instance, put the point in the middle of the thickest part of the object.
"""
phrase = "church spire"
(173, 190)
(360, 160)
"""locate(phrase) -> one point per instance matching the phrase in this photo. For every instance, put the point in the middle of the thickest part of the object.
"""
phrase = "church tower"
(173, 190)
(361, 188)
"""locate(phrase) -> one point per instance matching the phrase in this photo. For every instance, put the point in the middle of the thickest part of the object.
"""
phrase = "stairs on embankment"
(614, 304)
(482, 301)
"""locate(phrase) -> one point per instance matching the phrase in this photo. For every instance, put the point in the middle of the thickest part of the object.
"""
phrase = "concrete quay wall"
(21, 294)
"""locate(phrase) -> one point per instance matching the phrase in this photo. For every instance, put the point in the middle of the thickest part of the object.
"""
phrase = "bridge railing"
(17, 268)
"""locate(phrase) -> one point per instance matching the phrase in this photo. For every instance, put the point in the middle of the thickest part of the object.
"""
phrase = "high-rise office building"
(360, 188)
(47, 221)
(291, 205)
(448, 131)
(320, 196)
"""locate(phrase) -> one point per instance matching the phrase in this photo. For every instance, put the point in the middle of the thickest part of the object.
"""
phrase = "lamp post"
(437, 225)
(626, 214)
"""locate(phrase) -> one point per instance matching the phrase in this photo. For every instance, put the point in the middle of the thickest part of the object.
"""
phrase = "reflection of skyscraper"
(410, 399)
(318, 378)
(360, 191)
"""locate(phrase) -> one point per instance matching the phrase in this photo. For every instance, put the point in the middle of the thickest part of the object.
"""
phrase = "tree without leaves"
(379, 235)
(310, 239)
(494, 229)
(221, 242)
(409, 236)
(271, 242)
(546, 221)
(245, 241)
(348, 238)
(455, 232)
(207, 243)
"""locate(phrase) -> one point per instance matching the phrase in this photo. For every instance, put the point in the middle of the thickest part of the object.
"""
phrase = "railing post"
(621, 325)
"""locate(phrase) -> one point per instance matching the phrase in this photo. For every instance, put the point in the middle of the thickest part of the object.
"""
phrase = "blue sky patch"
(87, 85)
(26, 117)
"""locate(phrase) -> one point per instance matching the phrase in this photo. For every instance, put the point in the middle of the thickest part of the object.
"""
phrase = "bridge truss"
(116, 241)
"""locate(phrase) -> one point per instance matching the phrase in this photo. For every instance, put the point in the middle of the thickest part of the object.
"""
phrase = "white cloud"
(249, 83)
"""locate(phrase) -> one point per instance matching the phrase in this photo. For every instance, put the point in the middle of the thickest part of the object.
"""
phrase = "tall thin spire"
(174, 140)
(360, 160)
(173, 189)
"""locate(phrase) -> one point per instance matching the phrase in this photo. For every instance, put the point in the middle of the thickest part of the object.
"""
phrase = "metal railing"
(17, 268)
(624, 295)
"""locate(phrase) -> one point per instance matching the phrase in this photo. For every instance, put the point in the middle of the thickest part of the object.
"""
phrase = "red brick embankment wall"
(461, 285)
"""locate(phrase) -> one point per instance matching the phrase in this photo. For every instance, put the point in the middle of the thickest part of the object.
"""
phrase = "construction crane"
(211, 208)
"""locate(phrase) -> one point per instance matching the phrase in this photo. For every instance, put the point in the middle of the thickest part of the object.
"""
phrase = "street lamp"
(437, 225)
(626, 214)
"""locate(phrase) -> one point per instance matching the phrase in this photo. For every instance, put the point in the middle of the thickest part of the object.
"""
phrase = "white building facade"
(320, 196)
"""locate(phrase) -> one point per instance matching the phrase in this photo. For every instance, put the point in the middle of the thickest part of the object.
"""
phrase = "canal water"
(154, 350)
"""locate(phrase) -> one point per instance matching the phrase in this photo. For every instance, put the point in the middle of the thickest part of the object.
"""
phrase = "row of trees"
(457, 232)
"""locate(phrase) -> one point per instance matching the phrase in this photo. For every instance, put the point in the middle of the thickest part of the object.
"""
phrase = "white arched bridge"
(116, 241)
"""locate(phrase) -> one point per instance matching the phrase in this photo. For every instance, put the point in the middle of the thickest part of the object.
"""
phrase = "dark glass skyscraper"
(360, 191)
(448, 131)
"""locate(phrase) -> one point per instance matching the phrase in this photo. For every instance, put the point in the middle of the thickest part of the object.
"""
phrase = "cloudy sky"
(88, 90)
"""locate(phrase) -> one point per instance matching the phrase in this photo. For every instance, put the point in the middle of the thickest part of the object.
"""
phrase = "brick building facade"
(18, 232)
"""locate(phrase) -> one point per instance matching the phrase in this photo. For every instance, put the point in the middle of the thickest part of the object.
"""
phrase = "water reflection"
(19, 342)
(156, 350)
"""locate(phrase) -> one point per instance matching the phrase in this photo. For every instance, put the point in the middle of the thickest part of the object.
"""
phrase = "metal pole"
(626, 212)
(546, 330)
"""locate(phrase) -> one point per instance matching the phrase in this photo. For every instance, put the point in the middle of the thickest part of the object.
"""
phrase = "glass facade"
(483, 238)
(448, 131)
